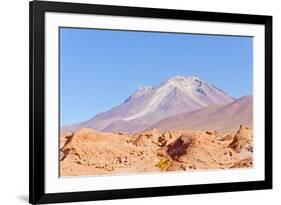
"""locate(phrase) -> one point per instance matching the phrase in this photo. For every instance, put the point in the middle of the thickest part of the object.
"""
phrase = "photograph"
(139, 101)
(136, 102)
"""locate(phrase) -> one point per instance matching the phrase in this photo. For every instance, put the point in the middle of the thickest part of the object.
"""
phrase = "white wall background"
(14, 99)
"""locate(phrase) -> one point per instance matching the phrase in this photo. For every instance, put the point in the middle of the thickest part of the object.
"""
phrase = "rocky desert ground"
(88, 152)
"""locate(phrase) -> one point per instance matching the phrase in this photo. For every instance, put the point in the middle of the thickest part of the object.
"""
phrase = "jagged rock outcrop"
(90, 152)
(65, 136)
(243, 140)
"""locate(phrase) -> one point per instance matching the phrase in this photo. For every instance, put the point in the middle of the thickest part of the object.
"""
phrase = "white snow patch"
(186, 84)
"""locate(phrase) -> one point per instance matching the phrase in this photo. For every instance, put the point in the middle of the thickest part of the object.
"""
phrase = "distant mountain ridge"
(149, 105)
(214, 117)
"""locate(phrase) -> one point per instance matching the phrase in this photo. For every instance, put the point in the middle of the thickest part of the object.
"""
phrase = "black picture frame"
(37, 194)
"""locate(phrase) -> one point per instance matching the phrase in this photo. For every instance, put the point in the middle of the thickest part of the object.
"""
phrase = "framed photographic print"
(140, 102)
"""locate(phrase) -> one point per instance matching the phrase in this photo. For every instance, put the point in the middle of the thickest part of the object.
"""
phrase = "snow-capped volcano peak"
(147, 105)
(188, 93)
(191, 86)
(182, 82)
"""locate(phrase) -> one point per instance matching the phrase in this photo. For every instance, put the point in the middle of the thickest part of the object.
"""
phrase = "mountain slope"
(214, 117)
(148, 105)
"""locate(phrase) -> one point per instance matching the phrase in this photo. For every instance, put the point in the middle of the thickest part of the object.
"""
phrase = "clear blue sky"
(99, 69)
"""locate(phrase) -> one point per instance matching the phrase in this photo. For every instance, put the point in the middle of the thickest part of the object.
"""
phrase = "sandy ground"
(89, 152)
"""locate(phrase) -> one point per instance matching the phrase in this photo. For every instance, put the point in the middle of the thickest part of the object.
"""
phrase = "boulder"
(242, 140)
(179, 147)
